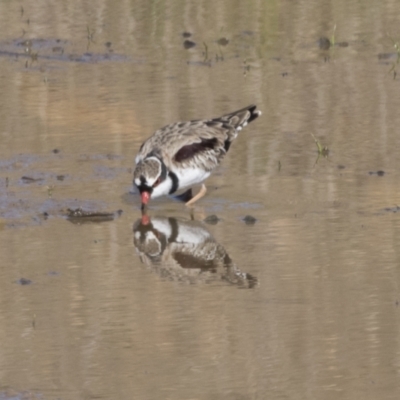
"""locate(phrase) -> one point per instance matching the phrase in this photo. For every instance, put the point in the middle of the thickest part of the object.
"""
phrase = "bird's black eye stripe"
(145, 188)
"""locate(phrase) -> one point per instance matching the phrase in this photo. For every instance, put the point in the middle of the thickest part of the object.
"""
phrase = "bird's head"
(148, 174)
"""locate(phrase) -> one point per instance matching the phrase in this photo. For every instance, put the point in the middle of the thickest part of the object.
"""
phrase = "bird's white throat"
(163, 188)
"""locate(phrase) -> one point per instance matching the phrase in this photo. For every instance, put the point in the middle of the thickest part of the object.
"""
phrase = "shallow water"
(304, 303)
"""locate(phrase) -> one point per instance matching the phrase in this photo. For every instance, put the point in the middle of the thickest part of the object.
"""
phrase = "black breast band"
(175, 182)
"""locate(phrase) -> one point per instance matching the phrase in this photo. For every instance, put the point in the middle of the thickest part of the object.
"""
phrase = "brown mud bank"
(34, 188)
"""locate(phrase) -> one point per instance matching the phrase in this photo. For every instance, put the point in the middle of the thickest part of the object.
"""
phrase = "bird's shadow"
(184, 250)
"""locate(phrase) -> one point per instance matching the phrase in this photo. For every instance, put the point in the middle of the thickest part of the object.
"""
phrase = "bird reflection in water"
(185, 251)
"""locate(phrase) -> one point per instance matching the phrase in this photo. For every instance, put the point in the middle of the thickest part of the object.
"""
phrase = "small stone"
(211, 220)
(188, 44)
(386, 56)
(29, 179)
(24, 281)
(249, 220)
(379, 173)
(223, 41)
(324, 43)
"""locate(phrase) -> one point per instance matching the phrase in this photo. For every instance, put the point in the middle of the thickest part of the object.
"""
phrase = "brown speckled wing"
(198, 143)
(191, 150)
(189, 144)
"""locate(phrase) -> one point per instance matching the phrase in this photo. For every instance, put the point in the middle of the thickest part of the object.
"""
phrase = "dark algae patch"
(80, 216)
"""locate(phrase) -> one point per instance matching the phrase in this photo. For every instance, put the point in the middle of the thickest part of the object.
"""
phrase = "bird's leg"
(202, 192)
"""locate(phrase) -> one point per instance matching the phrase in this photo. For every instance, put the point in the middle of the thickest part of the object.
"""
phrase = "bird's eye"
(157, 182)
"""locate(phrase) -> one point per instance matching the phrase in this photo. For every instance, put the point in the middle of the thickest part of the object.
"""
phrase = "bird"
(182, 154)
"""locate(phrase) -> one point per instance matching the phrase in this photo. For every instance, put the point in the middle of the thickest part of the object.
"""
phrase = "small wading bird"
(183, 154)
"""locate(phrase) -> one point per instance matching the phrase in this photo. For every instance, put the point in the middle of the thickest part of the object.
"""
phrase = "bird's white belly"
(186, 178)
(191, 176)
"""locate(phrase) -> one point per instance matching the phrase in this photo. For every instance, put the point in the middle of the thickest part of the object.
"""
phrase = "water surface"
(302, 304)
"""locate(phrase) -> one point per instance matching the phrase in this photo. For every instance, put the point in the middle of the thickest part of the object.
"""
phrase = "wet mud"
(32, 50)
(302, 216)
(32, 199)
(24, 395)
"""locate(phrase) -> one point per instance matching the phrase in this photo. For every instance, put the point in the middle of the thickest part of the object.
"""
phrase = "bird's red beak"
(145, 198)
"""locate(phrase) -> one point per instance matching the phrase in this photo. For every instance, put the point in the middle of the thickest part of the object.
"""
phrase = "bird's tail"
(240, 118)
